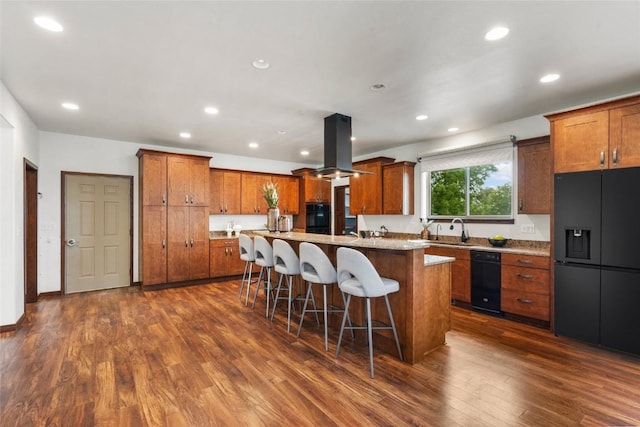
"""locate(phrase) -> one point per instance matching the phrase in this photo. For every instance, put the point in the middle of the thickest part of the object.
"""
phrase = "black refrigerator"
(597, 257)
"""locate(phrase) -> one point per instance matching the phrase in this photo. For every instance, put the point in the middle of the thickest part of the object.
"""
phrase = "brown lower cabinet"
(525, 285)
(224, 258)
(460, 271)
(187, 243)
(153, 260)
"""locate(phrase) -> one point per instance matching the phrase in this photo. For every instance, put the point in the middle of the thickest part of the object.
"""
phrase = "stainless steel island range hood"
(337, 148)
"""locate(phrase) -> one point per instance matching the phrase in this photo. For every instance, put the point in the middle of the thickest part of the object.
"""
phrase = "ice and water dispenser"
(577, 243)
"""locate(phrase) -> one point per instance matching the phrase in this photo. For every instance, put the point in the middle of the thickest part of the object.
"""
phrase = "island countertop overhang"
(348, 241)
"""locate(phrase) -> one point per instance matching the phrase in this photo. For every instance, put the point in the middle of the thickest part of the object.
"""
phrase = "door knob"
(72, 242)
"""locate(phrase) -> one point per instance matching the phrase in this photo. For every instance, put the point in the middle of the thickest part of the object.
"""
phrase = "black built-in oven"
(318, 218)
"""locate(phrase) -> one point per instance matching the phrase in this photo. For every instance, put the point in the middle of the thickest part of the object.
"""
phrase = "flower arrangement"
(270, 194)
(426, 224)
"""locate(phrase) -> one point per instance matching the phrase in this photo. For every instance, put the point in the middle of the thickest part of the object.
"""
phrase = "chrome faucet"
(437, 231)
(464, 236)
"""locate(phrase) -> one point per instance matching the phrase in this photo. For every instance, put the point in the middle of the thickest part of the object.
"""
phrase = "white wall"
(73, 153)
(18, 141)
(523, 129)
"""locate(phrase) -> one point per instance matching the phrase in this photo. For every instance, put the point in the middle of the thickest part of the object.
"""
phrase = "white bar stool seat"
(264, 258)
(287, 263)
(358, 277)
(247, 254)
(316, 268)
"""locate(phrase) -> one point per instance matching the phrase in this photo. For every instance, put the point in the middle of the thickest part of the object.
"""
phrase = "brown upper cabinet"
(366, 189)
(598, 137)
(288, 189)
(397, 188)
(225, 191)
(188, 181)
(153, 179)
(252, 201)
(534, 176)
(312, 188)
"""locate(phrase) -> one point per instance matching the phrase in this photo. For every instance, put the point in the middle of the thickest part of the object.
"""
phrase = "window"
(474, 183)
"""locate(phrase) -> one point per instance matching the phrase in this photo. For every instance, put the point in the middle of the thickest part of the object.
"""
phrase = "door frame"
(63, 217)
(339, 192)
(30, 212)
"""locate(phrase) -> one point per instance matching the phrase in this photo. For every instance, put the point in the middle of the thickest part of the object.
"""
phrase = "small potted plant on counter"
(425, 227)
(270, 194)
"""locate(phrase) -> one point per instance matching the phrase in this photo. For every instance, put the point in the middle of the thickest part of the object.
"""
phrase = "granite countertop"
(351, 241)
(437, 259)
(400, 241)
(514, 250)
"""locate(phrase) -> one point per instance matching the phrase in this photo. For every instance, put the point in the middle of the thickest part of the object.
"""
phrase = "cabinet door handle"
(186, 243)
(524, 301)
(615, 156)
(186, 199)
(191, 199)
(191, 242)
(221, 209)
(230, 251)
(164, 243)
(525, 276)
(525, 261)
(164, 199)
(225, 251)
(601, 158)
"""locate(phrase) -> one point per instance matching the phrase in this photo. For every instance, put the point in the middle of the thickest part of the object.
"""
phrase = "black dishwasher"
(485, 281)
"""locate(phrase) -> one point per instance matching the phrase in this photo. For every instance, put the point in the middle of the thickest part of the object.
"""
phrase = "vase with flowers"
(270, 194)
(425, 227)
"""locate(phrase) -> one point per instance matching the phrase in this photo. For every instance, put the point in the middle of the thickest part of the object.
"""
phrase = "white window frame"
(488, 153)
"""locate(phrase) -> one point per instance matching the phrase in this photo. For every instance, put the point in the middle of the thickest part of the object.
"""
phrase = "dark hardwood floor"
(196, 356)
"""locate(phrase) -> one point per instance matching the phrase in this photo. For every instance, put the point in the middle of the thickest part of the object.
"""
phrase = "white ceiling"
(144, 71)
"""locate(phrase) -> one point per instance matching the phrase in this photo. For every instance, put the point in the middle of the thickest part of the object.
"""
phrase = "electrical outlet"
(527, 228)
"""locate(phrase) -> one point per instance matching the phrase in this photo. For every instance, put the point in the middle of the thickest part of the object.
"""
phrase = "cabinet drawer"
(531, 261)
(525, 279)
(527, 304)
(222, 243)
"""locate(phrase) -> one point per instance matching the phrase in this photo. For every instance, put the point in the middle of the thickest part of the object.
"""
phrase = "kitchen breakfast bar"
(422, 306)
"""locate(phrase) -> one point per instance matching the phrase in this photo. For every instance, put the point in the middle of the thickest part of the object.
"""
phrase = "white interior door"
(97, 232)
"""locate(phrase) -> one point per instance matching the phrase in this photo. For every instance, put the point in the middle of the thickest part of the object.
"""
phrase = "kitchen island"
(421, 308)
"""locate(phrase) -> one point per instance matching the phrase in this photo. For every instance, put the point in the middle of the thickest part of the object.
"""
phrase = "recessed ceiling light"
(282, 132)
(70, 106)
(185, 135)
(260, 64)
(353, 138)
(422, 117)
(496, 33)
(48, 23)
(453, 129)
(549, 78)
(253, 145)
(211, 110)
(377, 86)
(304, 153)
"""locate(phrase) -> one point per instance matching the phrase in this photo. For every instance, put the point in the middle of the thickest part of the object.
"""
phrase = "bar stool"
(315, 267)
(247, 254)
(287, 263)
(358, 277)
(264, 258)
